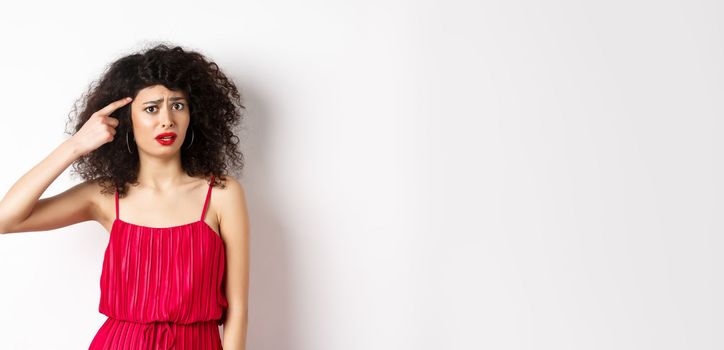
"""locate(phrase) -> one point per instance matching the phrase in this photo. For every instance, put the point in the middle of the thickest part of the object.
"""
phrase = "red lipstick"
(166, 138)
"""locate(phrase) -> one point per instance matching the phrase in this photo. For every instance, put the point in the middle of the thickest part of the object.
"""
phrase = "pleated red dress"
(162, 287)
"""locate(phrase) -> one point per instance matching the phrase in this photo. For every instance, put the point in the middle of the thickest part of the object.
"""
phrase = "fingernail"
(128, 98)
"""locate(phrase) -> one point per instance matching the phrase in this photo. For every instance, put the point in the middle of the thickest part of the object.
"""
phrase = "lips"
(166, 138)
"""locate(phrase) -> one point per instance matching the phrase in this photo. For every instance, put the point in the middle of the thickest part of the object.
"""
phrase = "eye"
(146, 109)
(180, 104)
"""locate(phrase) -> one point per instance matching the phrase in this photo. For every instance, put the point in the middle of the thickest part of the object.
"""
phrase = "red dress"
(162, 287)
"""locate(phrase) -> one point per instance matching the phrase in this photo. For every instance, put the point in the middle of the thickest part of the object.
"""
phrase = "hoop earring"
(127, 145)
(192, 138)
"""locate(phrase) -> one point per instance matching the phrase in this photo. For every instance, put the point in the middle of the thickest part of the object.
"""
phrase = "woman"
(153, 142)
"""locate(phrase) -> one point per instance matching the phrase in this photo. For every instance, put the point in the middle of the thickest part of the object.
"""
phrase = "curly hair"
(214, 103)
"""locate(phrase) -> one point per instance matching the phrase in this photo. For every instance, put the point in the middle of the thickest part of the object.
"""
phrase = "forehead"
(159, 91)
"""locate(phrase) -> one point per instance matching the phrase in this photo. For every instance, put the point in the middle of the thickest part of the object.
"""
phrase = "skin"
(165, 196)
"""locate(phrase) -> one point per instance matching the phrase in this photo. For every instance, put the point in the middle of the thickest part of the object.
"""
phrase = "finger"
(112, 121)
(114, 105)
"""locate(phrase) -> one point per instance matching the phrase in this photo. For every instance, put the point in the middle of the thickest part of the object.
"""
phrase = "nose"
(166, 120)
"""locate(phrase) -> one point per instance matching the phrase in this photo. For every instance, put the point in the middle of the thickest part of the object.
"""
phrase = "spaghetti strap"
(208, 195)
(116, 203)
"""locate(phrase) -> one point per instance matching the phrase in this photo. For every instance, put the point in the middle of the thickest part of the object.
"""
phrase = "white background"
(420, 174)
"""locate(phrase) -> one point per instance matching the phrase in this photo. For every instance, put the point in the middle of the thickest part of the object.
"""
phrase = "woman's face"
(157, 110)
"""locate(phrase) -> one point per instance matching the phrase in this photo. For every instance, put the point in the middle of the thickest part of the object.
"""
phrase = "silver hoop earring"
(127, 145)
(192, 138)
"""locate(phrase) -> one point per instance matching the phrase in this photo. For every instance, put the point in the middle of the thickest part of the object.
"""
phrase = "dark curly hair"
(214, 103)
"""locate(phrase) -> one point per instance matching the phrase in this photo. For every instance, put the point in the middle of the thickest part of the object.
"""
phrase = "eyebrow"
(171, 99)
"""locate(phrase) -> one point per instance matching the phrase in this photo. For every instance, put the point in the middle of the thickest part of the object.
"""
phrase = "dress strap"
(116, 203)
(208, 195)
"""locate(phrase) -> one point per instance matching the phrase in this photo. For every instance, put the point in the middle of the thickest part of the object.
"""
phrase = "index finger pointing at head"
(114, 105)
(113, 121)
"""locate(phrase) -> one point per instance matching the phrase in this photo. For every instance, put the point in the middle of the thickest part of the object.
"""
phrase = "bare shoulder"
(230, 206)
(101, 200)
(91, 191)
(229, 184)
(230, 193)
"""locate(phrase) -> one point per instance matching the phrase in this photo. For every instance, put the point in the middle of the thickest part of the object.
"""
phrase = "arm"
(234, 227)
(20, 209)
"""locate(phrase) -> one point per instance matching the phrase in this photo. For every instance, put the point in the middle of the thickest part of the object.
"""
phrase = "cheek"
(143, 126)
(183, 123)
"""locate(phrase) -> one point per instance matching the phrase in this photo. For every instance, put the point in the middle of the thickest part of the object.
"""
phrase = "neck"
(161, 173)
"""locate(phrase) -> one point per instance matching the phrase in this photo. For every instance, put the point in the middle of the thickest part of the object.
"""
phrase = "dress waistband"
(161, 335)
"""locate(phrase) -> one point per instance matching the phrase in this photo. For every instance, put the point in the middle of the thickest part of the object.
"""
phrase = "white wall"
(421, 175)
